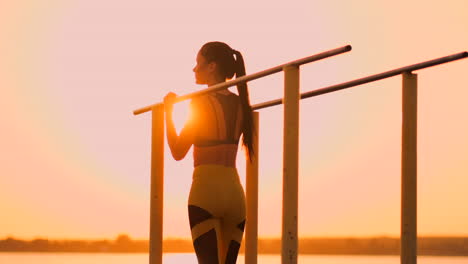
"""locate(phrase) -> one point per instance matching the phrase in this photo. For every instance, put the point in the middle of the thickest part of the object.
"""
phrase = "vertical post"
(409, 170)
(251, 227)
(157, 182)
(289, 239)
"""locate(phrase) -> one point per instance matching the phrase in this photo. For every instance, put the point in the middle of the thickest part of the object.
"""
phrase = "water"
(98, 258)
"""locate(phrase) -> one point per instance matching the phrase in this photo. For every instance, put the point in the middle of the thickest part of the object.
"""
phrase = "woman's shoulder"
(199, 100)
(204, 101)
(199, 103)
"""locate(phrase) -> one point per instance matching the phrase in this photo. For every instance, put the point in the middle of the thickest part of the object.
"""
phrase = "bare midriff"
(223, 154)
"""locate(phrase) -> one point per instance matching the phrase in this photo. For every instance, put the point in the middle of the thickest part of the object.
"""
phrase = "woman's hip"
(217, 188)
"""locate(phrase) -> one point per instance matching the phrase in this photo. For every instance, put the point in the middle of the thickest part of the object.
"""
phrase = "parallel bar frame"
(368, 79)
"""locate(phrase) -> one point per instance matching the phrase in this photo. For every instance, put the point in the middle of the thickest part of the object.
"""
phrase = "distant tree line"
(436, 246)
(123, 243)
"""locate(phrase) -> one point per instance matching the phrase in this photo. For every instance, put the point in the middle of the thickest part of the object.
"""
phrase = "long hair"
(230, 62)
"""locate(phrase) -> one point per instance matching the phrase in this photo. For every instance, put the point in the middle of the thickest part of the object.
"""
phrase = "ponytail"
(248, 129)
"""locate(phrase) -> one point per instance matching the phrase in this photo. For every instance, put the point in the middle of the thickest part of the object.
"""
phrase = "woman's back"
(219, 123)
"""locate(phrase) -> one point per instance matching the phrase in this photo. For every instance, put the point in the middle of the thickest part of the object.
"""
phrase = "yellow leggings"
(217, 214)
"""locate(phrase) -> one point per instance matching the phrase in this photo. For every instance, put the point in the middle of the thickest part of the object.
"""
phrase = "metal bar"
(409, 170)
(157, 184)
(289, 239)
(368, 79)
(251, 228)
(253, 76)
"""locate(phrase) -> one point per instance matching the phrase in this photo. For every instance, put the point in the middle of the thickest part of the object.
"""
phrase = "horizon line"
(259, 238)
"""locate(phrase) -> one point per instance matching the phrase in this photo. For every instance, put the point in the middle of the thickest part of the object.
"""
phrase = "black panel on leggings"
(241, 226)
(231, 256)
(197, 215)
(206, 248)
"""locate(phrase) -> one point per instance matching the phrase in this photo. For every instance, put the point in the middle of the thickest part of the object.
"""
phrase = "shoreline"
(373, 246)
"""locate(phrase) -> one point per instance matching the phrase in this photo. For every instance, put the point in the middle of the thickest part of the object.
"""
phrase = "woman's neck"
(224, 91)
(215, 81)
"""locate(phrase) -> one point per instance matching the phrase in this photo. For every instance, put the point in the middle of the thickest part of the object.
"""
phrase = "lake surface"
(98, 258)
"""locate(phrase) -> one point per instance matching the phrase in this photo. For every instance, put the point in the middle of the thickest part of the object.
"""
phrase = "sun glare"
(181, 114)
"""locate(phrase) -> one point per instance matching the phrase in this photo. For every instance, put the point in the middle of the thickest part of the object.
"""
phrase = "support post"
(251, 227)
(409, 170)
(289, 239)
(157, 184)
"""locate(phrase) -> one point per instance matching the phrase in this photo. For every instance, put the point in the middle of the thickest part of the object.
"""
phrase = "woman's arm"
(181, 144)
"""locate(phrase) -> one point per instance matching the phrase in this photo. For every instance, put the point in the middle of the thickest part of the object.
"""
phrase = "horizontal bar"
(253, 76)
(368, 79)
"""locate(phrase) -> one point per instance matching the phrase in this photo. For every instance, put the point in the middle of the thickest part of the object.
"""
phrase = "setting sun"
(181, 114)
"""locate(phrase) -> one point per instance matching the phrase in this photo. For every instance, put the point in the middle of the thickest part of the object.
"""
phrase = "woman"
(216, 204)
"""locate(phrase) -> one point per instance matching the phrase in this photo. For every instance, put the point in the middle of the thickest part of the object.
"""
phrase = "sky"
(75, 161)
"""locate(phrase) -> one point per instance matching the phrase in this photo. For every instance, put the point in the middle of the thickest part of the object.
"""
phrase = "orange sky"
(74, 161)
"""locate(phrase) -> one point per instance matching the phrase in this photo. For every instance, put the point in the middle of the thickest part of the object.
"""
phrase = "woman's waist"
(224, 154)
(215, 172)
